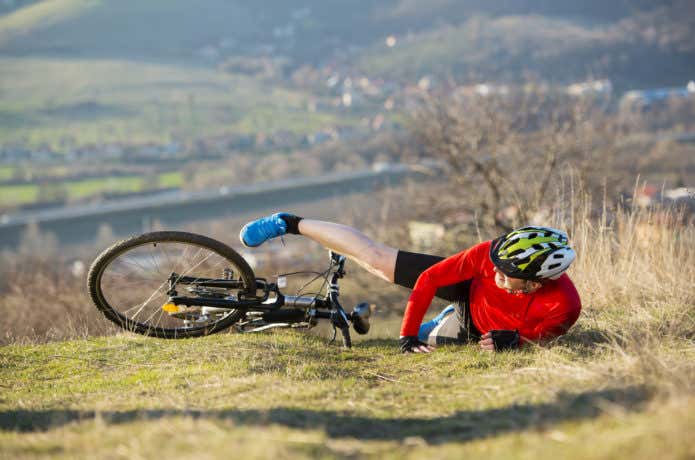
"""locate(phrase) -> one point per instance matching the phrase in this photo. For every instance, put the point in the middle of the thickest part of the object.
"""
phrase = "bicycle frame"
(268, 312)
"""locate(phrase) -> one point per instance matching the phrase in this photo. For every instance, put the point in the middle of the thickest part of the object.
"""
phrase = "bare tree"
(506, 152)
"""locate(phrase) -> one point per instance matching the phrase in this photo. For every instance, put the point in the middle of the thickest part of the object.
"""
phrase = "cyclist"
(506, 291)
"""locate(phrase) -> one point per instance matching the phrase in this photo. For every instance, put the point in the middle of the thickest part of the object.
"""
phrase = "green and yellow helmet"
(532, 253)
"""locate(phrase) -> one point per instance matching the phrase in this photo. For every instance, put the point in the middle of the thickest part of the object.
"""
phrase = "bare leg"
(375, 257)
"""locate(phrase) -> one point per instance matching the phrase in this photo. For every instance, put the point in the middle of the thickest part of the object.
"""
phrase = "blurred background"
(430, 125)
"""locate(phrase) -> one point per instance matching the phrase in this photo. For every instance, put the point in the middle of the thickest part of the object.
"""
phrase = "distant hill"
(307, 31)
(653, 48)
(129, 29)
(57, 101)
(57, 57)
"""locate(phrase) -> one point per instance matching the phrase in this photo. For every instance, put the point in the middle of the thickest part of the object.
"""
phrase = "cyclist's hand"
(486, 342)
(411, 344)
(500, 340)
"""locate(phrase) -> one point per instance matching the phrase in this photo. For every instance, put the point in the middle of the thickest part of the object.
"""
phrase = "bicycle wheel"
(129, 281)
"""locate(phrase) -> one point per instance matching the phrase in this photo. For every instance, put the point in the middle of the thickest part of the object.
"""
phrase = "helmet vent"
(538, 246)
(515, 253)
(532, 235)
(554, 266)
(558, 256)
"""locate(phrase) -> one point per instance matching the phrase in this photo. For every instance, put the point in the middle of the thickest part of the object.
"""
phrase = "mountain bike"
(175, 285)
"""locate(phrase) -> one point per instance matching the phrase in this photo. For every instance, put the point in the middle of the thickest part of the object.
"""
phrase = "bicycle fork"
(339, 318)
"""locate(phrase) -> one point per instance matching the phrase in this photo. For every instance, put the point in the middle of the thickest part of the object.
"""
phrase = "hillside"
(131, 28)
(96, 71)
(120, 82)
(289, 395)
(570, 38)
(120, 29)
(555, 49)
(82, 101)
(619, 385)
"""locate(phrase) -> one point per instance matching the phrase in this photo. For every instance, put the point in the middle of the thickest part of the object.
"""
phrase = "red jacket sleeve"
(454, 269)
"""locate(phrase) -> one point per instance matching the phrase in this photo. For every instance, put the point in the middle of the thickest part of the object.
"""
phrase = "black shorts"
(409, 267)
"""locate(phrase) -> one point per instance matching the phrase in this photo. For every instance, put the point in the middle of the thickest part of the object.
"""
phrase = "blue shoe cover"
(426, 328)
(261, 230)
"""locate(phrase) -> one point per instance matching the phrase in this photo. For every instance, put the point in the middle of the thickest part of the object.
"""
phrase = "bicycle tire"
(108, 258)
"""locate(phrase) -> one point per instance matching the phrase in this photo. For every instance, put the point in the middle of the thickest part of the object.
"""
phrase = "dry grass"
(635, 270)
(618, 385)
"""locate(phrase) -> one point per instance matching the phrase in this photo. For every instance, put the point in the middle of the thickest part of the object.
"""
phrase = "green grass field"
(13, 195)
(287, 394)
(6, 172)
(73, 102)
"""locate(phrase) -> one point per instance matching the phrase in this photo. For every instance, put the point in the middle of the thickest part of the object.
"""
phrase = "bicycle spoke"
(148, 299)
(136, 285)
(154, 312)
(154, 260)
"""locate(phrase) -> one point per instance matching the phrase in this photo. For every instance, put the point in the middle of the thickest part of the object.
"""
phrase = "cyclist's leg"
(409, 267)
(377, 258)
(427, 328)
(454, 324)
(400, 267)
(447, 332)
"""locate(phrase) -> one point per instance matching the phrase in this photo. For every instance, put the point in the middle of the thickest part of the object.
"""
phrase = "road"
(80, 224)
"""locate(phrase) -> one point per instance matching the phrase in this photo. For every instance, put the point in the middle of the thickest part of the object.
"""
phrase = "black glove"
(505, 339)
(410, 342)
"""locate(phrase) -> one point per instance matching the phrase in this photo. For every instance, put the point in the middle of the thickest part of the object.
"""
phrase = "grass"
(24, 21)
(74, 102)
(481, 46)
(6, 172)
(170, 179)
(116, 395)
(618, 385)
(106, 28)
(12, 195)
(18, 194)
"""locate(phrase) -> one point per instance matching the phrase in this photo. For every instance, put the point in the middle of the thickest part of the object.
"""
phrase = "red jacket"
(545, 313)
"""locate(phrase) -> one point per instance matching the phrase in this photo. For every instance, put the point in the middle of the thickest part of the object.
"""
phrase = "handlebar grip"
(347, 342)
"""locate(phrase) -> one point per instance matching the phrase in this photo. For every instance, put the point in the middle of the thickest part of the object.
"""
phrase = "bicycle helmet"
(532, 253)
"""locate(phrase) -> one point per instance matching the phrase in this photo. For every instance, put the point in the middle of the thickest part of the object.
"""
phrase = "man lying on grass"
(506, 291)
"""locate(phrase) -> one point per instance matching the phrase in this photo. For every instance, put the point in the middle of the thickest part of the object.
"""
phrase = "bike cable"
(307, 272)
(323, 285)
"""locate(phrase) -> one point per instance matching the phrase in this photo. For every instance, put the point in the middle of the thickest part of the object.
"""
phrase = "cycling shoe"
(261, 230)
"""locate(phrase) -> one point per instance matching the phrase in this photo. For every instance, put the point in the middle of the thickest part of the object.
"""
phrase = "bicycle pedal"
(171, 308)
(181, 311)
